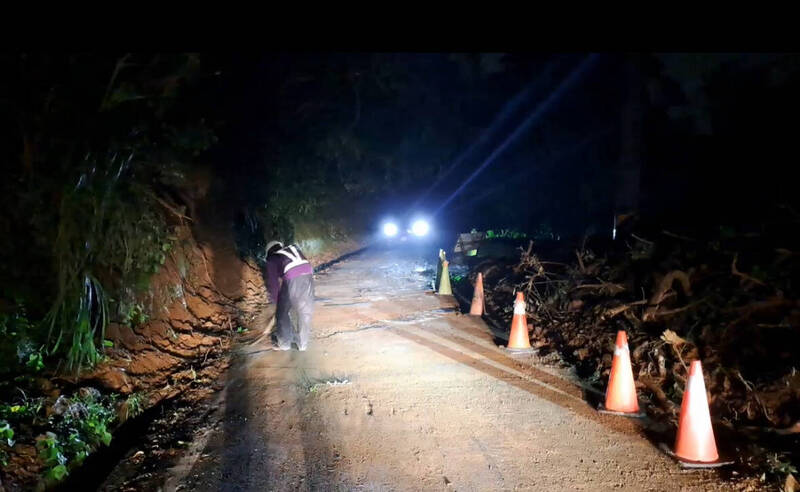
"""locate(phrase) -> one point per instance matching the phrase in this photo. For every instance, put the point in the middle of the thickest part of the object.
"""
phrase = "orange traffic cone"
(621, 396)
(477, 298)
(695, 442)
(518, 340)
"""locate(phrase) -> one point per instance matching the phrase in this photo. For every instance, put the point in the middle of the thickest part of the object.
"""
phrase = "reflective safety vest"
(294, 257)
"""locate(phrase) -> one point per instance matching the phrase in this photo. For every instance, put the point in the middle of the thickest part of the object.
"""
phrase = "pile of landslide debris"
(729, 299)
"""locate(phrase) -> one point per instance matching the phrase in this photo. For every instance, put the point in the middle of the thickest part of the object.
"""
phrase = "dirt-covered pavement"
(398, 391)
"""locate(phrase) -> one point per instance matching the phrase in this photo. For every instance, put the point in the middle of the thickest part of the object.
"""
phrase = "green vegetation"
(68, 430)
(133, 314)
(80, 426)
(505, 233)
(779, 464)
(102, 173)
(52, 454)
(134, 406)
(104, 146)
(18, 352)
(6, 439)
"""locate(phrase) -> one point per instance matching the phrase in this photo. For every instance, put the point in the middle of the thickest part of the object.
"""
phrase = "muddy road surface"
(398, 391)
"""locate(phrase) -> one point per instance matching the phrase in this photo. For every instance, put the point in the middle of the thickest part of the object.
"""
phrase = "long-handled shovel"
(267, 331)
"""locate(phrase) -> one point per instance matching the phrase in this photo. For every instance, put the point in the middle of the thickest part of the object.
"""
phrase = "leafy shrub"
(6, 433)
(505, 233)
(19, 352)
(52, 454)
(134, 406)
(81, 427)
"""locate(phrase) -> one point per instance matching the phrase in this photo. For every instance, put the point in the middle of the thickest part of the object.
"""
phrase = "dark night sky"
(564, 168)
(711, 135)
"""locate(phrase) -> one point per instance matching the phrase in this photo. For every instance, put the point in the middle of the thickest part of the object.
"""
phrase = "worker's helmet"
(272, 244)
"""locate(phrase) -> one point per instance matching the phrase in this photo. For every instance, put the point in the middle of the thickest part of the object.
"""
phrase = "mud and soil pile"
(729, 299)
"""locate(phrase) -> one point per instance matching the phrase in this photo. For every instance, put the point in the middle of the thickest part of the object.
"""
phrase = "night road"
(400, 392)
(506, 270)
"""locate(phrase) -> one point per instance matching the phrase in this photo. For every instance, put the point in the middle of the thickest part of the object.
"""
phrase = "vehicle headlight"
(390, 229)
(420, 227)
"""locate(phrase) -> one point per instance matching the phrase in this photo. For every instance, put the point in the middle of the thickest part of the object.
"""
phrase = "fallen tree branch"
(610, 313)
(793, 429)
(784, 254)
(608, 288)
(666, 284)
(748, 311)
(677, 236)
(117, 68)
(735, 271)
(661, 397)
(653, 312)
(170, 208)
(680, 357)
(550, 281)
(580, 262)
(775, 302)
(650, 243)
(749, 386)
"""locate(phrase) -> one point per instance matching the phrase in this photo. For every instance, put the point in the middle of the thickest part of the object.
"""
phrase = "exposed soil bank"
(198, 303)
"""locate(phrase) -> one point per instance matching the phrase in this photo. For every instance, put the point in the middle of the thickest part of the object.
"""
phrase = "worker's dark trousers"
(296, 295)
